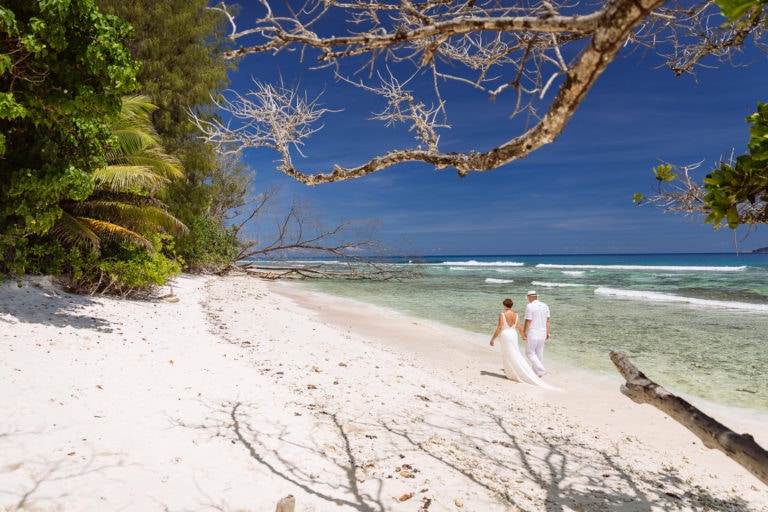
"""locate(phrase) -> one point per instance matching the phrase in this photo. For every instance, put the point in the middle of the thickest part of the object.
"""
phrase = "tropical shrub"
(130, 271)
(209, 247)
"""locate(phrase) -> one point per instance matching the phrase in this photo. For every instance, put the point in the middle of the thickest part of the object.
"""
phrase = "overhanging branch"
(526, 49)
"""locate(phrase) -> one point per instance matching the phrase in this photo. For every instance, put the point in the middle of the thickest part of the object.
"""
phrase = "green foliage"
(664, 173)
(70, 166)
(209, 246)
(192, 196)
(9, 107)
(121, 205)
(744, 182)
(13, 255)
(129, 277)
(8, 21)
(736, 9)
(31, 255)
(735, 194)
(130, 272)
(180, 44)
(63, 68)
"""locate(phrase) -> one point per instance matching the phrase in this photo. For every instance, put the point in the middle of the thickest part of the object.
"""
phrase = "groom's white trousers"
(534, 349)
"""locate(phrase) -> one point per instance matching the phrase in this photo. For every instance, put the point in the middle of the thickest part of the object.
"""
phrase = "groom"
(536, 331)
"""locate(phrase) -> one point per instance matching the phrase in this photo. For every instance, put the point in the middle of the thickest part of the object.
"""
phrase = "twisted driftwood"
(740, 447)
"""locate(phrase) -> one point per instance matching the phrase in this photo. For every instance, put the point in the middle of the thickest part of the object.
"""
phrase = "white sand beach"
(243, 392)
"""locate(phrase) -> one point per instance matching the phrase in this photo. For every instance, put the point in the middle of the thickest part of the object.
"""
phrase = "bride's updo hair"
(508, 303)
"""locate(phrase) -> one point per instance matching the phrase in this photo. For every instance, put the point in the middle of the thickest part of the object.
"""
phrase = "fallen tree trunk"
(742, 448)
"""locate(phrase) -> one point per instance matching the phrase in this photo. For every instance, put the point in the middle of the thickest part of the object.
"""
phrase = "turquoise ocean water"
(695, 323)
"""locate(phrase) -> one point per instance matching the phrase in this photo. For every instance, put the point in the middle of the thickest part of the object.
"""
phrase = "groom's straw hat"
(532, 292)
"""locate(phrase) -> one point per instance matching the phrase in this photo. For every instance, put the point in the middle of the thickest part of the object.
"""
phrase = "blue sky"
(573, 196)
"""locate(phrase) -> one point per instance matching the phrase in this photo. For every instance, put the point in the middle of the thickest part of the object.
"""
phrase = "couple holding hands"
(534, 331)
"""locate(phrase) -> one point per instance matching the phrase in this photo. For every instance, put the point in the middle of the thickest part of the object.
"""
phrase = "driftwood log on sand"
(742, 448)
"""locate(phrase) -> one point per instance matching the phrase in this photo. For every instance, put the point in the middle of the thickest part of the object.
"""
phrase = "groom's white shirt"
(537, 313)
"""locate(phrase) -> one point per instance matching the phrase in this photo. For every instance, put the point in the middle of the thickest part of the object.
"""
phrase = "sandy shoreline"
(243, 392)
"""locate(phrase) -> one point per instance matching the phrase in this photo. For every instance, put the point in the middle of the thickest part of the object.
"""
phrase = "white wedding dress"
(516, 366)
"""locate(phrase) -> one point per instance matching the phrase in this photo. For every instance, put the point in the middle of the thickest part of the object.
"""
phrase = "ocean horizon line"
(394, 255)
(547, 254)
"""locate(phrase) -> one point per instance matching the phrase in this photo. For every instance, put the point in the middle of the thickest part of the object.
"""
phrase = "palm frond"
(142, 218)
(135, 112)
(131, 140)
(160, 218)
(69, 231)
(109, 231)
(156, 159)
(127, 177)
(122, 206)
(137, 138)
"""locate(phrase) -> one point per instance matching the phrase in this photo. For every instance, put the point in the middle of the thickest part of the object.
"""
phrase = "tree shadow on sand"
(570, 474)
(459, 450)
(38, 301)
(277, 450)
(40, 482)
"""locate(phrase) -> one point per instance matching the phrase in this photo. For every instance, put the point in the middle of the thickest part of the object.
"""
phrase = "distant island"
(762, 249)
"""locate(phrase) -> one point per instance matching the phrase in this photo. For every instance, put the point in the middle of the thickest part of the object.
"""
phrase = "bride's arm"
(499, 328)
(520, 328)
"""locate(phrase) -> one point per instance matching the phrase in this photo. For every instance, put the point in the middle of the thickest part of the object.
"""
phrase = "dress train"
(516, 367)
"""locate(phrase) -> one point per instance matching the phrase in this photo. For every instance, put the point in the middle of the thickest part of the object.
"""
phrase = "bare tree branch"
(694, 32)
(271, 116)
(529, 49)
(742, 448)
(350, 247)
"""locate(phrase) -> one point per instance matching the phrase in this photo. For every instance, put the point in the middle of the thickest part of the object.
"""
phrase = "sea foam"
(668, 297)
(681, 268)
(556, 285)
(475, 263)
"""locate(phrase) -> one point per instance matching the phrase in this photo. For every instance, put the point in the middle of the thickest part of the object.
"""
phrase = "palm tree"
(122, 206)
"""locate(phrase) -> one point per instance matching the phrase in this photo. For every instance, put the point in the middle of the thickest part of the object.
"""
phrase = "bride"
(516, 367)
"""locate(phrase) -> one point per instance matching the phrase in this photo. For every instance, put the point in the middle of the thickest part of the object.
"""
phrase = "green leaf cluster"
(32, 255)
(744, 182)
(734, 10)
(132, 272)
(121, 206)
(209, 247)
(663, 174)
(63, 69)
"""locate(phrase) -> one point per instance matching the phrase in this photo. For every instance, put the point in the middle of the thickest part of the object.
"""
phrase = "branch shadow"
(555, 463)
(39, 482)
(231, 422)
(38, 301)
(519, 466)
